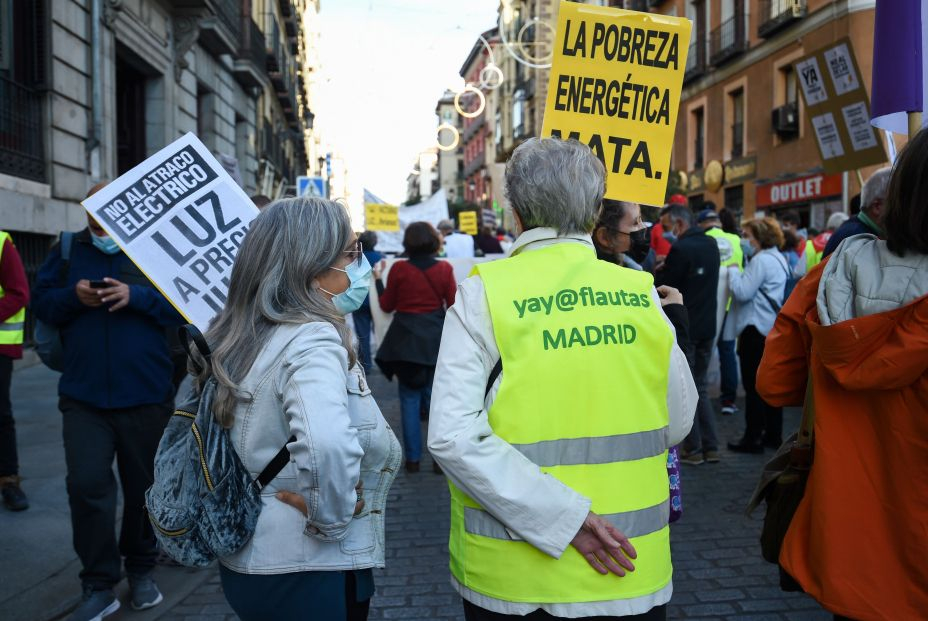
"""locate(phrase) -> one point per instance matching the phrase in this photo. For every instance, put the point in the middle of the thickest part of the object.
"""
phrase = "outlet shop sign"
(798, 190)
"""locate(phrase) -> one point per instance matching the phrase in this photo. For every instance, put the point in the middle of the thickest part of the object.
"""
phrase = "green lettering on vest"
(559, 341)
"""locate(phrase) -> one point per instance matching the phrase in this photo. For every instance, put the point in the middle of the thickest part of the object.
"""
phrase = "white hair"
(875, 188)
(555, 183)
(289, 244)
(835, 220)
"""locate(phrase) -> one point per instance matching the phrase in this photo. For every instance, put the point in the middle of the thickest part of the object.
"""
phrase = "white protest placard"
(841, 68)
(181, 218)
(811, 81)
(857, 119)
(433, 210)
(826, 132)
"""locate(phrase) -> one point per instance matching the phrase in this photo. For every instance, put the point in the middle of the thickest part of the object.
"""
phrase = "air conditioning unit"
(786, 119)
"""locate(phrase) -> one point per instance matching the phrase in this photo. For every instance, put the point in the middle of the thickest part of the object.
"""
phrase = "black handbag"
(782, 485)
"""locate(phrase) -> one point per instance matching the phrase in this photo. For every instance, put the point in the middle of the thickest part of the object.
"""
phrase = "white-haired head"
(874, 191)
(556, 184)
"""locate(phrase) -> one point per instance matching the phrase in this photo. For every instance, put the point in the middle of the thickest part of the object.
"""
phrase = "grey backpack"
(48, 337)
(203, 503)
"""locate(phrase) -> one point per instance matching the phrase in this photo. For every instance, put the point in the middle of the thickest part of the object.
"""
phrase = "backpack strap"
(428, 281)
(275, 466)
(494, 374)
(785, 265)
(191, 332)
(64, 241)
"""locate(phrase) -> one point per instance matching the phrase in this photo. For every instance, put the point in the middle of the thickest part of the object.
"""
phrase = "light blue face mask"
(104, 244)
(359, 277)
(670, 237)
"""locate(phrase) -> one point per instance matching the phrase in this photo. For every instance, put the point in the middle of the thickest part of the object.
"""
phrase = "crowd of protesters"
(534, 410)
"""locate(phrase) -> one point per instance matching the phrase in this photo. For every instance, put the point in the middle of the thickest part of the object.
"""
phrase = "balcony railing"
(775, 15)
(695, 60)
(272, 47)
(475, 164)
(21, 148)
(729, 40)
(737, 139)
(229, 13)
(221, 29)
(249, 66)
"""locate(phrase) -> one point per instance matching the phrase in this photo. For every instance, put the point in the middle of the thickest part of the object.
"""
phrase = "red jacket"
(858, 542)
(15, 292)
(412, 290)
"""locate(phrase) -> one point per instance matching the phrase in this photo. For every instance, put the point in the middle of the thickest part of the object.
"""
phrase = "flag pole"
(915, 123)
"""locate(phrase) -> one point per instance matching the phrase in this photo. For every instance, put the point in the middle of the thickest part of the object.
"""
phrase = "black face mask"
(640, 245)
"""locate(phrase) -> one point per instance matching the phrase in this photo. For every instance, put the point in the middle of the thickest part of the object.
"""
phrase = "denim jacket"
(300, 385)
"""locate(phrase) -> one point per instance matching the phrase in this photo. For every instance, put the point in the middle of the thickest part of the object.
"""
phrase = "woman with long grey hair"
(285, 368)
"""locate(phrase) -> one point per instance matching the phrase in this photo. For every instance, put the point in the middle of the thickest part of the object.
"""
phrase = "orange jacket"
(859, 541)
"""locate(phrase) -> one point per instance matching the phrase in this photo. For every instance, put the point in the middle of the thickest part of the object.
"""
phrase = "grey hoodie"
(864, 278)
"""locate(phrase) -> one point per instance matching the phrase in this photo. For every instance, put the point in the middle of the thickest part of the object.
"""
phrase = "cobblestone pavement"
(718, 571)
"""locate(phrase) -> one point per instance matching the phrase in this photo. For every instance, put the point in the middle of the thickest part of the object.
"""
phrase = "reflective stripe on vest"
(11, 330)
(633, 524)
(601, 450)
(583, 396)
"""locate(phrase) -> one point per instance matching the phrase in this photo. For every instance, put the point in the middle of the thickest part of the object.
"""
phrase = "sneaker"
(143, 592)
(729, 408)
(95, 605)
(13, 497)
(693, 458)
(712, 457)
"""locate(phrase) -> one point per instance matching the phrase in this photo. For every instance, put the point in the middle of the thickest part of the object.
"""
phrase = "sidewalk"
(38, 566)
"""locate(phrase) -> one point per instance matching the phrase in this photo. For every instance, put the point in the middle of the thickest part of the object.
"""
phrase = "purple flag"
(899, 70)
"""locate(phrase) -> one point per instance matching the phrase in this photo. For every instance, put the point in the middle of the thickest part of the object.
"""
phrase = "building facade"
(450, 150)
(471, 105)
(424, 178)
(742, 135)
(90, 88)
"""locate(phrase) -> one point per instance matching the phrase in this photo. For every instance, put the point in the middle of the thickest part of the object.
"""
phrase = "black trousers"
(475, 613)
(93, 438)
(9, 462)
(764, 422)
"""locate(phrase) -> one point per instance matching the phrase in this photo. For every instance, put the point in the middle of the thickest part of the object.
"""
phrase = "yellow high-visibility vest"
(585, 353)
(813, 256)
(733, 257)
(11, 330)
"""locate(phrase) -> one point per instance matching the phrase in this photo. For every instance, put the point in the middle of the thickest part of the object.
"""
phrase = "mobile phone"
(99, 284)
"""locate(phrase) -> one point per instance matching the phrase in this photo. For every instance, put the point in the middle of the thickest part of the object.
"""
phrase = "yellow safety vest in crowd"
(11, 330)
(736, 256)
(585, 355)
(813, 257)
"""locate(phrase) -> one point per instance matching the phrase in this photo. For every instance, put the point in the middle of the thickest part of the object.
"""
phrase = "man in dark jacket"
(870, 218)
(115, 395)
(692, 266)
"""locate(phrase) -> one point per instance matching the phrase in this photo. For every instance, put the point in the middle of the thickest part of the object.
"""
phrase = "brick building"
(742, 135)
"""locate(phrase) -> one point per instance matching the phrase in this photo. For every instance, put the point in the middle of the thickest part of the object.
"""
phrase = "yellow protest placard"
(615, 86)
(468, 222)
(381, 217)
